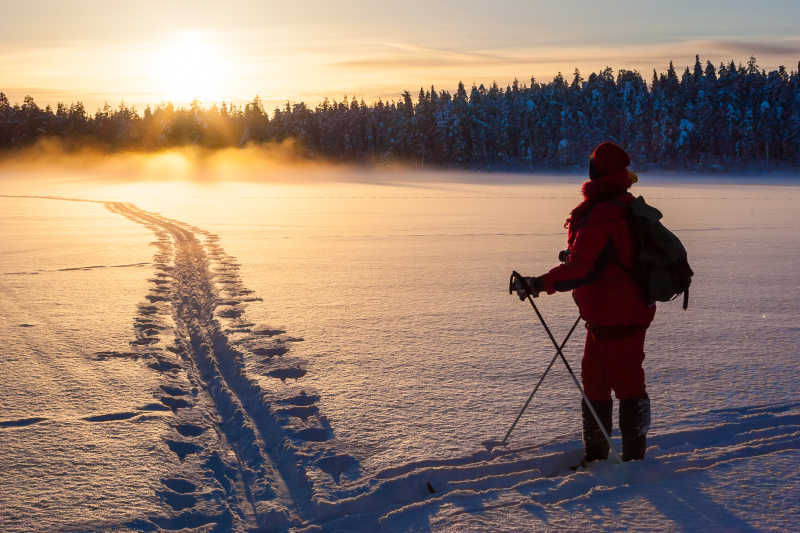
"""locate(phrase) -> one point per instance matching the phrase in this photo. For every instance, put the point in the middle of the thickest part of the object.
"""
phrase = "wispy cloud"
(397, 55)
(393, 56)
(786, 47)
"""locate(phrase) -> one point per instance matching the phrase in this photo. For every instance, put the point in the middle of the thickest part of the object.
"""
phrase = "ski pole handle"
(516, 277)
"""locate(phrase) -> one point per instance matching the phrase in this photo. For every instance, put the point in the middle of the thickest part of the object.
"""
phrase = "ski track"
(243, 424)
(282, 449)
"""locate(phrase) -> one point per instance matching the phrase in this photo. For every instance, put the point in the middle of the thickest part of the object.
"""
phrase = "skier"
(595, 267)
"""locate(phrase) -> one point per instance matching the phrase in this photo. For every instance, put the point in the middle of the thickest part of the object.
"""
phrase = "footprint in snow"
(173, 391)
(162, 365)
(336, 465)
(104, 356)
(182, 449)
(175, 403)
(177, 501)
(299, 411)
(270, 352)
(312, 434)
(153, 407)
(302, 399)
(190, 430)
(20, 423)
(110, 417)
(285, 373)
(179, 485)
(269, 332)
(231, 313)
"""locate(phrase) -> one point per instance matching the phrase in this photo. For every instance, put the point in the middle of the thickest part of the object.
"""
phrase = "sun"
(190, 67)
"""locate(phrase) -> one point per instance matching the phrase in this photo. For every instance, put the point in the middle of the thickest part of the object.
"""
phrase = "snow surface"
(242, 356)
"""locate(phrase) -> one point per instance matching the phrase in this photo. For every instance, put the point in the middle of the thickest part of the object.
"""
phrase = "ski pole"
(516, 275)
(536, 388)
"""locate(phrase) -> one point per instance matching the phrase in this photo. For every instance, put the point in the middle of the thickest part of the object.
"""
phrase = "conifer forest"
(708, 117)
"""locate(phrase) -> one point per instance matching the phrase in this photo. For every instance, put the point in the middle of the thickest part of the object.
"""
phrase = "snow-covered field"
(243, 356)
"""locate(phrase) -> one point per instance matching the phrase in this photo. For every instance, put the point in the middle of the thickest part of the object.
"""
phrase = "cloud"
(787, 47)
(404, 57)
(399, 55)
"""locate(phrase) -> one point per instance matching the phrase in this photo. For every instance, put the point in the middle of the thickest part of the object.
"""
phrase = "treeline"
(709, 117)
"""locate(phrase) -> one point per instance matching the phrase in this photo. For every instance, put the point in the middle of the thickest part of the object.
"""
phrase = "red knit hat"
(607, 159)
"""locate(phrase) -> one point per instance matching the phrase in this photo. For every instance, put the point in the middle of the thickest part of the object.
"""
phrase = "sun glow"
(190, 67)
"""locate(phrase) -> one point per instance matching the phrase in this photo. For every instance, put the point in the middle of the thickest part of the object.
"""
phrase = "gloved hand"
(534, 284)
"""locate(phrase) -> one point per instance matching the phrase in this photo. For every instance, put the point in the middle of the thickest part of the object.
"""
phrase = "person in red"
(596, 269)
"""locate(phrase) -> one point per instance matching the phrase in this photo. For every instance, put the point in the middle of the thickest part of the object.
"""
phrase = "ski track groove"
(181, 259)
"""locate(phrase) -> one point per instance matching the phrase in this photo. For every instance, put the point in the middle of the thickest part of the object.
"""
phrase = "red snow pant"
(612, 360)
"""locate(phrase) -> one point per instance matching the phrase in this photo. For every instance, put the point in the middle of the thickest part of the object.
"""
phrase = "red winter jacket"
(599, 241)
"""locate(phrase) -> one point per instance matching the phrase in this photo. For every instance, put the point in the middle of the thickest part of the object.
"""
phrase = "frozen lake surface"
(244, 355)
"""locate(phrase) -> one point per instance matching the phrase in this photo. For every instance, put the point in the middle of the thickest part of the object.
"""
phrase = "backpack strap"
(606, 257)
(626, 209)
(686, 299)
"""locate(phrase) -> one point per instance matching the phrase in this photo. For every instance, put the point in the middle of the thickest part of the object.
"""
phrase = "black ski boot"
(634, 421)
(594, 443)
